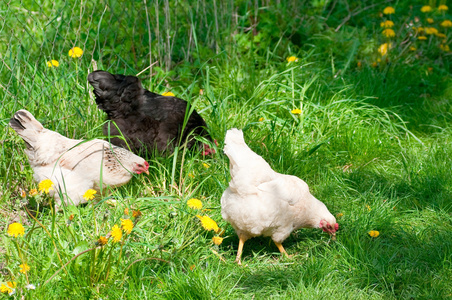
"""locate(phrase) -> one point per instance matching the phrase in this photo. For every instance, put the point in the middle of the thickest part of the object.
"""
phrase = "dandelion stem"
(21, 258)
(51, 237)
(59, 270)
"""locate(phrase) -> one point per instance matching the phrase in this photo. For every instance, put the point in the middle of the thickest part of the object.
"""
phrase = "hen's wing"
(73, 165)
(147, 120)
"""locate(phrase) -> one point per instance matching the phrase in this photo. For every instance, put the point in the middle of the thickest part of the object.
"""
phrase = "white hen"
(260, 201)
(74, 166)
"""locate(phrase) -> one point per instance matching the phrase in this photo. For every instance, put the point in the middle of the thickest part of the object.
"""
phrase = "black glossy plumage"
(147, 120)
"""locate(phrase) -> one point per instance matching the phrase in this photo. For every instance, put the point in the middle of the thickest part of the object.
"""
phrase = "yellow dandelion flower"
(443, 7)
(75, 52)
(292, 59)
(217, 240)
(23, 193)
(102, 241)
(89, 194)
(296, 111)
(16, 229)
(261, 119)
(127, 225)
(419, 29)
(388, 32)
(431, 30)
(430, 20)
(194, 203)
(412, 48)
(45, 185)
(136, 213)
(33, 192)
(339, 215)
(116, 233)
(374, 233)
(422, 38)
(368, 207)
(167, 94)
(446, 23)
(206, 165)
(387, 24)
(24, 268)
(440, 35)
(445, 48)
(5, 289)
(383, 49)
(126, 211)
(426, 8)
(389, 10)
(53, 63)
(8, 287)
(208, 224)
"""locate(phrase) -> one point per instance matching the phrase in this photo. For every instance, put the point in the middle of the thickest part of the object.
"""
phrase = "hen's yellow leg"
(238, 259)
(281, 249)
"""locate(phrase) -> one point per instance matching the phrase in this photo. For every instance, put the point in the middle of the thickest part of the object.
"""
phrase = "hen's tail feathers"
(26, 126)
(111, 90)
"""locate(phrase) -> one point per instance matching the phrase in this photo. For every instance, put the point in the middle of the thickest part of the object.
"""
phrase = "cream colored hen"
(260, 201)
(74, 166)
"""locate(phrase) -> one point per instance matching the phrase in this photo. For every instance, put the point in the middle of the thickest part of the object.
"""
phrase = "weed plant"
(329, 91)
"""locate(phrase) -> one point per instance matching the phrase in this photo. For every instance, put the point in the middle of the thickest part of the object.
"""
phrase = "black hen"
(148, 121)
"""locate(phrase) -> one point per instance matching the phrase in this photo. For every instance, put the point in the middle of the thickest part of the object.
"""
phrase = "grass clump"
(321, 89)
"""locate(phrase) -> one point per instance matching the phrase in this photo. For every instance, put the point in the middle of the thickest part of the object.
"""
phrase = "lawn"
(352, 97)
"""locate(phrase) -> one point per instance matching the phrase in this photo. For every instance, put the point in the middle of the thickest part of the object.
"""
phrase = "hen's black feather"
(147, 120)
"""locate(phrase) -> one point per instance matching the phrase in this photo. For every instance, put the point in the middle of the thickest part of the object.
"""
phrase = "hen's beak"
(147, 172)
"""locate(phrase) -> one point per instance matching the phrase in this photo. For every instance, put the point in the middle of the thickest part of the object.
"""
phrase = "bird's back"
(147, 121)
(260, 201)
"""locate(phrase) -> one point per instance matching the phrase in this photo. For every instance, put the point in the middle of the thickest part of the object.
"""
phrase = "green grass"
(372, 142)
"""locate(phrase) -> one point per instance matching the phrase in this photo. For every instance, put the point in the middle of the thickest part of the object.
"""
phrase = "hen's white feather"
(74, 166)
(260, 201)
